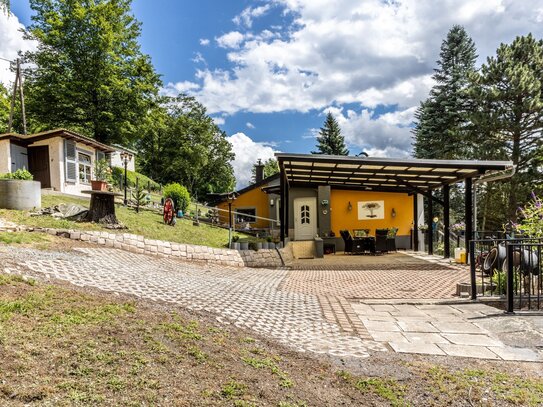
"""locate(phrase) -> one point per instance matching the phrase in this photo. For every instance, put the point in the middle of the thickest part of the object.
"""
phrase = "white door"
(305, 219)
(19, 157)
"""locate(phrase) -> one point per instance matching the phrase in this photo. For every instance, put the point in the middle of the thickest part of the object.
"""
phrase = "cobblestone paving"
(248, 298)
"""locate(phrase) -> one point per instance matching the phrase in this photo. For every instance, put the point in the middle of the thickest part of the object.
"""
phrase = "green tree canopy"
(88, 71)
(330, 141)
(181, 143)
(4, 109)
(271, 167)
(441, 120)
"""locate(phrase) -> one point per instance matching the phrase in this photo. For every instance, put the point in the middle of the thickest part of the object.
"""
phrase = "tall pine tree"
(330, 141)
(508, 95)
(88, 72)
(441, 120)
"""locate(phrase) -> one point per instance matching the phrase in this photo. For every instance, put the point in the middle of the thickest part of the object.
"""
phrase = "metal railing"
(508, 269)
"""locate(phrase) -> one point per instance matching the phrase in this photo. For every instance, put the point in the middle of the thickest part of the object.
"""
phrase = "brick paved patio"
(393, 276)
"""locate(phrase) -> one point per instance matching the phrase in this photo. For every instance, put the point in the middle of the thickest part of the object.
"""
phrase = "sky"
(269, 71)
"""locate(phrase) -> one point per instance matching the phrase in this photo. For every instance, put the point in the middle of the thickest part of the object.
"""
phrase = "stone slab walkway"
(467, 330)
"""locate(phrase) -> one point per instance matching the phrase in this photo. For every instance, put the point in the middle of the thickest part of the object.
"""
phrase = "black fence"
(508, 269)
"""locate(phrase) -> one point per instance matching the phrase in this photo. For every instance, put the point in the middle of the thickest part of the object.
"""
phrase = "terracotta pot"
(99, 185)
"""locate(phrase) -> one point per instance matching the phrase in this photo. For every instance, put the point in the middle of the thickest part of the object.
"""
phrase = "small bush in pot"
(102, 175)
(21, 175)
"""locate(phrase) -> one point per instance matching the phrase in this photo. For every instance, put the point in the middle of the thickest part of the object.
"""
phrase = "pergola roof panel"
(385, 174)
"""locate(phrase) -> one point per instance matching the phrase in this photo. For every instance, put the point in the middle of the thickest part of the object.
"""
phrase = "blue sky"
(268, 71)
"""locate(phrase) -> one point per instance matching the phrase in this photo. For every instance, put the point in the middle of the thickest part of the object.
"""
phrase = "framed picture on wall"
(368, 210)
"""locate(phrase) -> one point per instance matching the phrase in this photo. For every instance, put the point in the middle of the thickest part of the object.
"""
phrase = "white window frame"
(86, 164)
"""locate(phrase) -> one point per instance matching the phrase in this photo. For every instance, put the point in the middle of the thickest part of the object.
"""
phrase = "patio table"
(102, 207)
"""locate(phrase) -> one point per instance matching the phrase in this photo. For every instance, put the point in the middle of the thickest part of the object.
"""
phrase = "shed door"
(305, 219)
(38, 165)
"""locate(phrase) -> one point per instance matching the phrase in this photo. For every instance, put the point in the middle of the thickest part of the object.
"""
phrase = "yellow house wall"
(342, 218)
(255, 198)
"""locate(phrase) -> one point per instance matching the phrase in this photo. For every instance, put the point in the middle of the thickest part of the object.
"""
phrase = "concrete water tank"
(19, 194)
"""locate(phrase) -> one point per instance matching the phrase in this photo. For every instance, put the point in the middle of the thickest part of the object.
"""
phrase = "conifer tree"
(442, 119)
(330, 141)
(509, 114)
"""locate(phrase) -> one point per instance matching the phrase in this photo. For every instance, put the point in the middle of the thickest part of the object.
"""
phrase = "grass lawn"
(147, 223)
(62, 346)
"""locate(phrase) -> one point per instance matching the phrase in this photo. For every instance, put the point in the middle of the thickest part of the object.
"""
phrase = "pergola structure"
(410, 175)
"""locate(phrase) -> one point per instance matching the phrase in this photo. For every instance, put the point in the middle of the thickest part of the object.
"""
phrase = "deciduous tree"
(88, 72)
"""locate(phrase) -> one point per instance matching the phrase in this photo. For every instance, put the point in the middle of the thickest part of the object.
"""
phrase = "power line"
(7, 60)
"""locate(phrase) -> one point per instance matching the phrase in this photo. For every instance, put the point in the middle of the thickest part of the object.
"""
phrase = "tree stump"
(102, 208)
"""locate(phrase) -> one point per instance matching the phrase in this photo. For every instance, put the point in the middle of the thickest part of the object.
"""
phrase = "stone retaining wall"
(138, 244)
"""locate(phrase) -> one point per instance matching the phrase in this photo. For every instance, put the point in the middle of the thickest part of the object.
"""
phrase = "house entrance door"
(38, 165)
(305, 219)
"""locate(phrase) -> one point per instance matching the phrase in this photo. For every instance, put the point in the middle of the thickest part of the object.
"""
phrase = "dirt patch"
(61, 345)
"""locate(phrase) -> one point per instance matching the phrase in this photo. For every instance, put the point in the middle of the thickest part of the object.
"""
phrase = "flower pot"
(259, 246)
(234, 245)
(99, 185)
(271, 245)
(265, 245)
(244, 245)
(20, 194)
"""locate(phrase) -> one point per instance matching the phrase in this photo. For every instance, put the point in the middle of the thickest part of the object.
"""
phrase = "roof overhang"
(406, 175)
(28, 139)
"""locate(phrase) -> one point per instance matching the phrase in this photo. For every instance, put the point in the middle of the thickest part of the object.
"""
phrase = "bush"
(20, 174)
(144, 181)
(179, 195)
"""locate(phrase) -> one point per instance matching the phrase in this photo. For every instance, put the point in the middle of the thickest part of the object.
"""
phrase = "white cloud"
(371, 52)
(387, 135)
(250, 125)
(247, 153)
(233, 39)
(247, 15)
(174, 89)
(11, 42)
(219, 121)
(204, 42)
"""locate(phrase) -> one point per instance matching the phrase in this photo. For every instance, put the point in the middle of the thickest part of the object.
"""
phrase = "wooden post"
(415, 242)
(447, 220)
(282, 204)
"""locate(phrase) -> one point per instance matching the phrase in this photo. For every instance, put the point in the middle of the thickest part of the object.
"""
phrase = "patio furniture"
(329, 245)
(391, 239)
(361, 232)
(381, 240)
(351, 245)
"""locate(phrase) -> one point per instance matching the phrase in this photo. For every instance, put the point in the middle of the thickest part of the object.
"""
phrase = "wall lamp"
(349, 207)
(272, 202)
(393, 213)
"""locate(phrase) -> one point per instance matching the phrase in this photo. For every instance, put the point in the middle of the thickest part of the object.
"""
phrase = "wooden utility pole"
(17, 84)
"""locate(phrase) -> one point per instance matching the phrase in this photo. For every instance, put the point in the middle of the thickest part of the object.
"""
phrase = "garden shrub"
(20, 174)
(179, 195)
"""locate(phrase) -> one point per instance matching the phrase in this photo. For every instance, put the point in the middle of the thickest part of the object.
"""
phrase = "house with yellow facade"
(326, 196)
(255, 207)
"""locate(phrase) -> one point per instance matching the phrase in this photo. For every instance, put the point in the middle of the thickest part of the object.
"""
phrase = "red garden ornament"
(169, 212)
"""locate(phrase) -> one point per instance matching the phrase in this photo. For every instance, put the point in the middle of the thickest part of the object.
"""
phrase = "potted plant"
(244, 245)
(102, 173)
(18, 190)
(234, 243)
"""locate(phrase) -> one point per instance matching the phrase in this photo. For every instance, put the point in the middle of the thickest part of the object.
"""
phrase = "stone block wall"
(138, 244)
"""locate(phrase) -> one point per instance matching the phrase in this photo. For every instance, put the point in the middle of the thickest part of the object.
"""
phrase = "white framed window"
(84, 163)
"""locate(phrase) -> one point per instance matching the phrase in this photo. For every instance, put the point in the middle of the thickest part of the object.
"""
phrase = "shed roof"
(64, 133)
(381, 174)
